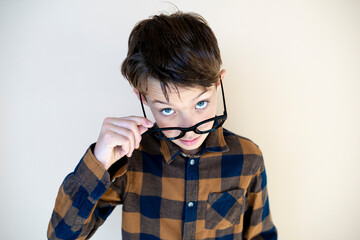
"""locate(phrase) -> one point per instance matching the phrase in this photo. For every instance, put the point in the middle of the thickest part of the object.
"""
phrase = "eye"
(201, 104)
(167, 111)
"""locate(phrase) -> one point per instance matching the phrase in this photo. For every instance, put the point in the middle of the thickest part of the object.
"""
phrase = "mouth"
(190, 142)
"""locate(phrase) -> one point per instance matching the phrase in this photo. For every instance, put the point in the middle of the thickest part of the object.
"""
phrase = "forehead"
(175, 93)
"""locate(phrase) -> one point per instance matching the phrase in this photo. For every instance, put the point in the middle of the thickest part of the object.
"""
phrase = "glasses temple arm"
(223, 95)
(142, 105)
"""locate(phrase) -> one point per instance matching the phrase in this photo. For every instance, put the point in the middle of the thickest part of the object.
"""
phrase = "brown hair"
(178, 50)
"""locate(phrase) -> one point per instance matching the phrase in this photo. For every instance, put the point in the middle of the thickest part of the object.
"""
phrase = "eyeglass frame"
(193, 128)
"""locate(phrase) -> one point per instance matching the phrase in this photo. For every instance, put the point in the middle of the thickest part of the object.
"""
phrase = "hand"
(119, 137)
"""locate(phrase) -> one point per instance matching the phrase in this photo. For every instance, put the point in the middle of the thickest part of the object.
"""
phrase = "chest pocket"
(224, 209)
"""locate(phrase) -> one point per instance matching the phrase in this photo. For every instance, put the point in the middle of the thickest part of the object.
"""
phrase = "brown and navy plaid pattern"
(221, 193)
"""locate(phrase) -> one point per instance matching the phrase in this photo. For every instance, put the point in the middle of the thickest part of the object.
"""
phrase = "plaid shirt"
(220, 193)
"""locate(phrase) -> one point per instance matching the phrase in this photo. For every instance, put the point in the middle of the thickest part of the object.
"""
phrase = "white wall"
(292, 86)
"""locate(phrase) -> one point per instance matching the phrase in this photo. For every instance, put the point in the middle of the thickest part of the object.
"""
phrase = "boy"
(184, 177)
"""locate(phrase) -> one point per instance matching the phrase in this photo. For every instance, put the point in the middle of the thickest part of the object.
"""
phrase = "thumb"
(142, 129)
(147, 123)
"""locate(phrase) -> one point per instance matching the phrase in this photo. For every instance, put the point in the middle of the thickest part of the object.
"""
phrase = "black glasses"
(206, 126)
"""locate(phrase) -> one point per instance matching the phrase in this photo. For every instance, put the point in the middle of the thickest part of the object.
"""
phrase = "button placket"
(191, 197)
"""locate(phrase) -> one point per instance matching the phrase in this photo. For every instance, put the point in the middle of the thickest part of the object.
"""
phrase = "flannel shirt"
(220, 193)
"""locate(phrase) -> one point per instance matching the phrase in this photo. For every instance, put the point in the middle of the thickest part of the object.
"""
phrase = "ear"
(222, 75)
(143, 98)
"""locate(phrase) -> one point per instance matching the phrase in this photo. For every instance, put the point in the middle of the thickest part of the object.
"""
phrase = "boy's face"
(184, 109)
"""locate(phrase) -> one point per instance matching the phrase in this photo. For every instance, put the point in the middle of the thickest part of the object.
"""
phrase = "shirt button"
(192, 162)
(190, 204)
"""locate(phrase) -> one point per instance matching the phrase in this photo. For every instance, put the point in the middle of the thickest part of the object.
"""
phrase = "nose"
(187, 121)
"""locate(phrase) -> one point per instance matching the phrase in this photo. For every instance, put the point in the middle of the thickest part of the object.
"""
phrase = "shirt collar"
(214, 142)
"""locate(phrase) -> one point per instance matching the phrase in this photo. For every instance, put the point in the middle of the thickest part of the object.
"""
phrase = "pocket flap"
(224, 209)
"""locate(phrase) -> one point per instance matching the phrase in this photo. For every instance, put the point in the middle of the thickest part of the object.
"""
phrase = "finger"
(119, 152)
(119, 143)
(132, 125)
(141, 121)
(127, 133)
(129, 124)
(142, 129)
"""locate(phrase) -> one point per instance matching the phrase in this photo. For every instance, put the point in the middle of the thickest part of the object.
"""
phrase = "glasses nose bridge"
(191, 129)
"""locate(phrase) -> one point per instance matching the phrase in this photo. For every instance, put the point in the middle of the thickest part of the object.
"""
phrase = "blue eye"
(167, 111)
(201, 104)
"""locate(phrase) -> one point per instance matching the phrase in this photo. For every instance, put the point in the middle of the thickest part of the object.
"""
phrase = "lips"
(189, 142)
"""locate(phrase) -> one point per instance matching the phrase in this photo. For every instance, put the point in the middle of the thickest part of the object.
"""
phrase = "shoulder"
(247, 152)
(241, 145)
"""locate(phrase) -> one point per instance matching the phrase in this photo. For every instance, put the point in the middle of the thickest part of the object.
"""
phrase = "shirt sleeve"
(258, 223)
(86, 198)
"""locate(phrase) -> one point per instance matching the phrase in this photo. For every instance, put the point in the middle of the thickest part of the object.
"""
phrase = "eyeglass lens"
(203, 128)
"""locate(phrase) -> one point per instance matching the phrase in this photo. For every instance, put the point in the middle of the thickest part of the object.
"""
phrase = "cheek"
(210, 111)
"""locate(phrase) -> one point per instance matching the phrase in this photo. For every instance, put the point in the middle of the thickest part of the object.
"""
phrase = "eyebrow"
(167, 103)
